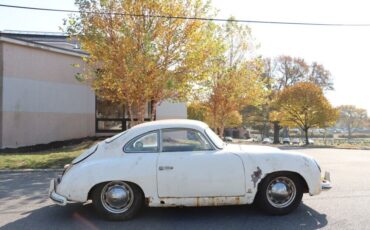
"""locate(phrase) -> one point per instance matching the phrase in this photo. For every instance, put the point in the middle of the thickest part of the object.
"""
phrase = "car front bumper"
(57, 198)
(326, 182)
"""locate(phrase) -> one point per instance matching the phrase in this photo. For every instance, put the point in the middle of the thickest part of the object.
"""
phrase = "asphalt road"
(24, 204)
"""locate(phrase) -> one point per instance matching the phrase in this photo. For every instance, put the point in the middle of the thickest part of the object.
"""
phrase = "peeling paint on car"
(256, 176)
(148, 200)
(237, 200)
(200, 201)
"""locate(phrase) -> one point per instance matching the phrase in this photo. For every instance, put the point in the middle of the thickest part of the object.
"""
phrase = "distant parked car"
(266, 140)
(286, 141)
(296, 141)
(228, 139)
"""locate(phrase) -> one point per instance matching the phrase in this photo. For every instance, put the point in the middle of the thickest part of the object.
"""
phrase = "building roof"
(50, 40)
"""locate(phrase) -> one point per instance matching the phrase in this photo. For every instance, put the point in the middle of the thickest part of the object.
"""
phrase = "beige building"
(40, 99)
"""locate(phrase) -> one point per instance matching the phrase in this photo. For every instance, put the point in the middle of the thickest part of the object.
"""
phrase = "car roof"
(172, 123)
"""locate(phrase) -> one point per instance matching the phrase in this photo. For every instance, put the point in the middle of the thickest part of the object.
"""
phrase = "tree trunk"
(276, 132)
(221, 130)
(349, 132)
(141, 114)
(285, 132)
(306, 135)
(153, 115)
(130, 115)
(262, 134)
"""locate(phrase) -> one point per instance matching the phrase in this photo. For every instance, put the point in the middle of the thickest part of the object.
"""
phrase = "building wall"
(1, 93)
(42, 101)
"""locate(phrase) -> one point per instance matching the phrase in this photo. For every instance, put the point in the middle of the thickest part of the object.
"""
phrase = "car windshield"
(215, 138)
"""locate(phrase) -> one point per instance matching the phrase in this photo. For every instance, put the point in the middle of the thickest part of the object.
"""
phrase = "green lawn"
(54, 158)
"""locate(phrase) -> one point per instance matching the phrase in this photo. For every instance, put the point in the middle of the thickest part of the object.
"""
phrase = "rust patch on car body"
(237, 200)
(197, 201)
(256, 175)
(148, 200)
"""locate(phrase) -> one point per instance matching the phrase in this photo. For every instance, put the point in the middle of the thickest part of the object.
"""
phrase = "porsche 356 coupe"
(184, 163)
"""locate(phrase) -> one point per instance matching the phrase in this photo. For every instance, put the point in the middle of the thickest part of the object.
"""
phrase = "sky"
(345, 51)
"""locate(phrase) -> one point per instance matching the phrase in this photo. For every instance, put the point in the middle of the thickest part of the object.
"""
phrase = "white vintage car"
(184, 163)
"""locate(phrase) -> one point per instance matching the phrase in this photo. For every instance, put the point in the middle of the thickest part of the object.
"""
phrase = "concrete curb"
(305, 147)
(29, 170)
(321, 147)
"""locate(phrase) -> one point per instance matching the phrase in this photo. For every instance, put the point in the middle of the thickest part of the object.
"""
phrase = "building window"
(112, 117)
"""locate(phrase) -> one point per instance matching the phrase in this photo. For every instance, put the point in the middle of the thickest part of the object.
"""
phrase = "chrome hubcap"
(117, 197)
(281, 192)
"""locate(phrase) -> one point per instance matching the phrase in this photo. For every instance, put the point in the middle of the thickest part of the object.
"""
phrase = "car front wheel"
(280, 193)
(117, 200)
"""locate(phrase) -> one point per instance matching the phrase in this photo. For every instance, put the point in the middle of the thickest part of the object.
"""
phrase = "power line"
(192, 18)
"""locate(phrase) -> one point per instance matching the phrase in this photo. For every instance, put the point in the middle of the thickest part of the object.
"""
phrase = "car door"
(189, 166)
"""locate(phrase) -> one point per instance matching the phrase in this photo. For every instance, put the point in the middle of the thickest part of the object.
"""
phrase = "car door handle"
(161, 168)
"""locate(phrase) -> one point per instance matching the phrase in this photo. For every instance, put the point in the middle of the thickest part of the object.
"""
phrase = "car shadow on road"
(77, 216)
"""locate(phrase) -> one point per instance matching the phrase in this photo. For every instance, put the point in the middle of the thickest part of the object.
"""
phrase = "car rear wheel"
(280, 193)
(117, 200)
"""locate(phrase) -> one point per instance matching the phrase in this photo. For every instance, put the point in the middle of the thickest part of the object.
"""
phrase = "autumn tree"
(257, 117)
(233, 80)
(287, 71)
(136, 57)
(284, 71)
(304, 105)
(197, 111)
(320, 76)
(351, 117)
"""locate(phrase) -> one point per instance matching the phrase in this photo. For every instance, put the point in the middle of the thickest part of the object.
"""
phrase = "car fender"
(258, 166)
(76, 184)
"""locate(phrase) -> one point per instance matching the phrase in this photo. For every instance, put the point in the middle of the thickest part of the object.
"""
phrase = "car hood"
(261, 150)
(251, 148)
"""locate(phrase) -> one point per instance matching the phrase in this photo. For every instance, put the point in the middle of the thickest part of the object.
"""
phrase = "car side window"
(181, 140)
(143, 144)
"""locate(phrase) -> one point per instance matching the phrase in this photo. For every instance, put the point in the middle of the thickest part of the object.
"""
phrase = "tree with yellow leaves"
(284, 71)
(136, 57)
(351, 117)
(304, 105)
(233, 82)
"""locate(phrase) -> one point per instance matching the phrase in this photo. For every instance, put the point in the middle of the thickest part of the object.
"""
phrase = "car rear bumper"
(326, 182)
(55, 197)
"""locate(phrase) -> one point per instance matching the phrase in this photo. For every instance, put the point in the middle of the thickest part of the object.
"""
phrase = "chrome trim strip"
(96, 148)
